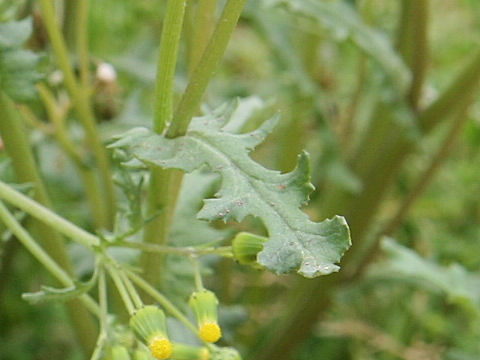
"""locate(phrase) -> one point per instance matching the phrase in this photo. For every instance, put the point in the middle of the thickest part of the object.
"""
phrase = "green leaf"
(18, 73)
(404, 264)
(66, 294)
(295, 242)
(344, 23)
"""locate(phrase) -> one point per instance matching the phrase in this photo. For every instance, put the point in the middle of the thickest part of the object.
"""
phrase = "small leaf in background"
(53, 294)
(295, 242)
(404, 264)
(18, 73)
(343, 22)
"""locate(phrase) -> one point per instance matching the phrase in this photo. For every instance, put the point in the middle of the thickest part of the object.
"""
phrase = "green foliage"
(18, 73)
(344, 23)
(405, 265)
(295, 242)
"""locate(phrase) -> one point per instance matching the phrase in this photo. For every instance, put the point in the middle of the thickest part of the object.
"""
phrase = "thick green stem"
(455, 97)
(47, 216)
(200, 28)
(206, 67)
(420, 185)
(82, 105)
(378, 166)
(413, 44)
(159, 199)
(36, 250)
(18, 149)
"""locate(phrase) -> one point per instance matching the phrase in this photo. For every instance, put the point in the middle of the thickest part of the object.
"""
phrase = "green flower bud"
(246, 246)
(149, 323)
(187, 352)
(204, 304)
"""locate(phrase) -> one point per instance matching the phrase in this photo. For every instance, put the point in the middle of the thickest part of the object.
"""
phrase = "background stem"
(82, 106)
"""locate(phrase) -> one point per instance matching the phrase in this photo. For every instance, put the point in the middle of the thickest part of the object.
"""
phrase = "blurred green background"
(411, 302)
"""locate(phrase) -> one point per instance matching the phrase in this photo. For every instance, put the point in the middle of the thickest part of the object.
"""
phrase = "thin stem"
(102, 299)
(122, 290)
(94, 198)
(225, 251)
(36, 250)
(159, 199)
(196, 271)
(167, 60)
(47, 216)
(206, 67)
(80, 99)
(131, 290)
(18, 149)
(81, 35)
(162, 300)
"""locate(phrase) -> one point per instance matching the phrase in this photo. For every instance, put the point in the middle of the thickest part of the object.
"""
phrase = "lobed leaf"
(247, 188)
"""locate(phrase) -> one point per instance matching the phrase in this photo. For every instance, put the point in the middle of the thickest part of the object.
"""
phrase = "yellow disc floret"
(161, 348)
(210, 332)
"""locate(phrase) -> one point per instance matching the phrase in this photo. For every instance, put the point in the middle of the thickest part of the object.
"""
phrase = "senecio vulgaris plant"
(162, 225)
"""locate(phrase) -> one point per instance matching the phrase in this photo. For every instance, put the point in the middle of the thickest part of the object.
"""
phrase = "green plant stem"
(198, 276)
(224, 251)
(102, 299)
(200, 29)
(420, 185)
(17, 147)
(162, 300)
(455, 98)
(122, 290)
(81, 101)
(413, 44)
(38, 253)
(131, 290)
(389, 147)
(206, 67)
(348, 125)
(94, 198)
(81, 43)
(159, 199)
(47, 216)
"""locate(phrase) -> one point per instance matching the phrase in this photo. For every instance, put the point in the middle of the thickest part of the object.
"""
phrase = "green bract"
(295, 242)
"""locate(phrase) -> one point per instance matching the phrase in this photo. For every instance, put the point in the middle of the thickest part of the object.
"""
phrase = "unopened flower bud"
(149, 323)
(204, 303)
(246, 246)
